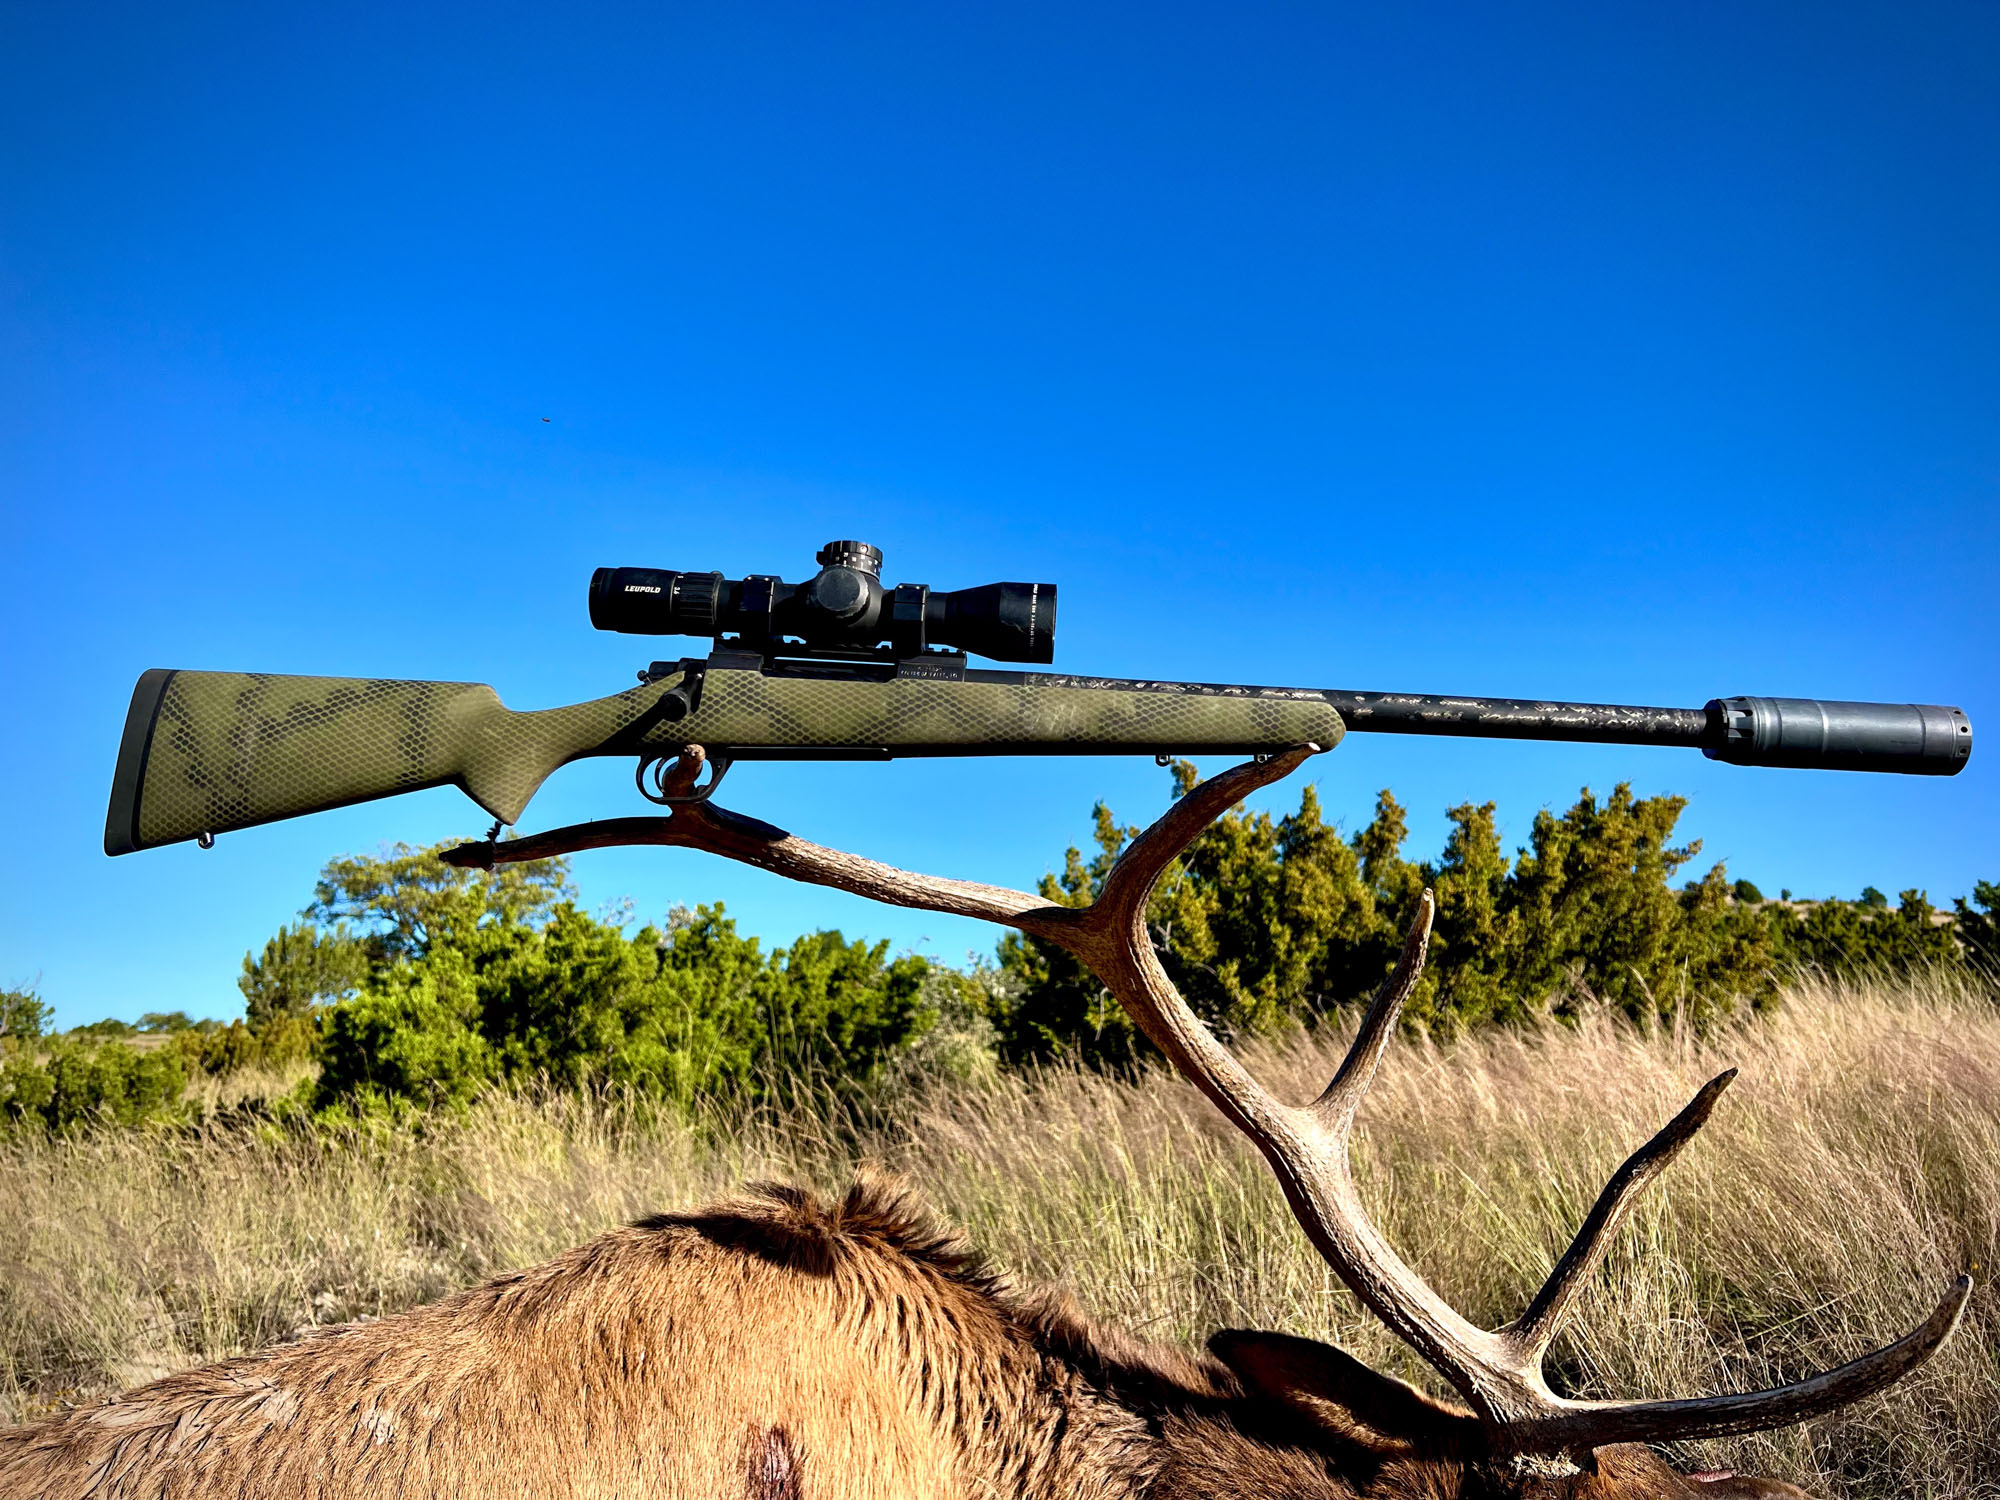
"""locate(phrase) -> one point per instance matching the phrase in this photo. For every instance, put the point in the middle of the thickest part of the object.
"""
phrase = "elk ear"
(1335, 1390)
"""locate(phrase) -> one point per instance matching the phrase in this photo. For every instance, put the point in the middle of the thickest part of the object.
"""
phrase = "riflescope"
(843, 607)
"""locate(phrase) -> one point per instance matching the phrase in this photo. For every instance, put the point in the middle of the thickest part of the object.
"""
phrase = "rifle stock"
(210, 752)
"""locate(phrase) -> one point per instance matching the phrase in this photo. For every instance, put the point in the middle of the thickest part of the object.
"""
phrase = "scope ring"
(659, 765)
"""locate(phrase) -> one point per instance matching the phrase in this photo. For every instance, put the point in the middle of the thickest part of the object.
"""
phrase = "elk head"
(1513, 1434)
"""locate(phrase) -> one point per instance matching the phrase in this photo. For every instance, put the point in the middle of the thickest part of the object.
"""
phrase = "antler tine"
(1306, 1147)
(1343, 1095)
(1583, 1425)
(1138, 869)
(1111, 938)
(1538, 1326)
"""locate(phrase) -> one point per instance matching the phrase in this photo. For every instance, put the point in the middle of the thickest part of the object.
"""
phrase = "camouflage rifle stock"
(205, 753)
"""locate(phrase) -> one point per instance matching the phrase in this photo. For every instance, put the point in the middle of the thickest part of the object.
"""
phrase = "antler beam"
(715, 830)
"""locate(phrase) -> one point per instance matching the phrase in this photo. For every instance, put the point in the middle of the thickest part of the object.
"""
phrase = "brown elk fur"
(783, 1348)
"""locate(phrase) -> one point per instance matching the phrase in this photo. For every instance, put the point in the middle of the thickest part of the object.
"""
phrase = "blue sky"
(1536, 350)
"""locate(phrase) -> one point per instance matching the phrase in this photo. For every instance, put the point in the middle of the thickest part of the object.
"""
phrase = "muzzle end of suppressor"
(1918, 739)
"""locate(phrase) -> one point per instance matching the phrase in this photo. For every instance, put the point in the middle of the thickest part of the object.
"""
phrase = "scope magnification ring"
(697, 602)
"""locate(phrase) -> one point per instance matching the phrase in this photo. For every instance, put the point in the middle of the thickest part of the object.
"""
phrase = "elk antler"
(1498, 1372)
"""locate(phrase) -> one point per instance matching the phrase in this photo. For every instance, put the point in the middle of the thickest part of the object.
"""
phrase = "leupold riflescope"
(843, 607)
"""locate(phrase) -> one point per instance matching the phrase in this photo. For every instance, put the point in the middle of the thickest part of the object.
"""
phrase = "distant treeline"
(1272, 920)
(414, 985)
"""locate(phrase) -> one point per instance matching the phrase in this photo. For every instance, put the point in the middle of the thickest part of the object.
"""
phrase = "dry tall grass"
(1851, 1171)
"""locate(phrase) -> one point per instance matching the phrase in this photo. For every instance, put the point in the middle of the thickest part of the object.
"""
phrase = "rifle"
(841, 667)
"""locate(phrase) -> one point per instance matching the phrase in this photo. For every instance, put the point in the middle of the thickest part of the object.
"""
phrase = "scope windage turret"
(843, 607)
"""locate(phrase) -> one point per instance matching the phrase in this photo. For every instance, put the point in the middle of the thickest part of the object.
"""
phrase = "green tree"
(25, 1085)
(406, 1040)
(301, 968)
(1475, 934)
(23, 1014)
(701, 1030)
(1601, 919)
(112, 1083)
(108, 1029)
(556, 1004)
(399, 944)
(1054, 1006)
(1978, 925)
(1266, 920)
(408, 902)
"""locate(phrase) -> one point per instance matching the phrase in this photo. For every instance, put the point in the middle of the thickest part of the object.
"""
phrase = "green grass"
(1850, 1172)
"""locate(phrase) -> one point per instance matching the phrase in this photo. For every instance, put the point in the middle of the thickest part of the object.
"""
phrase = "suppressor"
(1920, 739)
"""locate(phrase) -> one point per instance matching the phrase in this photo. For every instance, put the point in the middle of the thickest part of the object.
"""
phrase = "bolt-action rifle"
(843, 668)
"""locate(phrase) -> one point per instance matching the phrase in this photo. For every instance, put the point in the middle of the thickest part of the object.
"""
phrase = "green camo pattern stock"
(225, 750)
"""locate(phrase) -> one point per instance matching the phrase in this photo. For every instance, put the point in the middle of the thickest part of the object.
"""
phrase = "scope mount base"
(931, 664)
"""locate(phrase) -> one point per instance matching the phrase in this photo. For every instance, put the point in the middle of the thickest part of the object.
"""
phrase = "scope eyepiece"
(843, 607)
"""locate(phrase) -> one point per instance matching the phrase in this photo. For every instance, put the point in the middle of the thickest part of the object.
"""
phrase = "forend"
(845, 606)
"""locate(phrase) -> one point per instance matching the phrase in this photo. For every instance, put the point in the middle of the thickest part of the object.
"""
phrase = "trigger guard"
(659, 765)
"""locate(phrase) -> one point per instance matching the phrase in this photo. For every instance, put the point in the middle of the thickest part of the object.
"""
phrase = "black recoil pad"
(1919, 739)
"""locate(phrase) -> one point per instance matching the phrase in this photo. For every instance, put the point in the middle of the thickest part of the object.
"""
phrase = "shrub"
(681, 1013)
(76, 1082)
(283, 1041)
(1268, 921)
(407, 1040)
(1846, 936)
(834, 1010)
(87, 1077)
(109, 1029)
